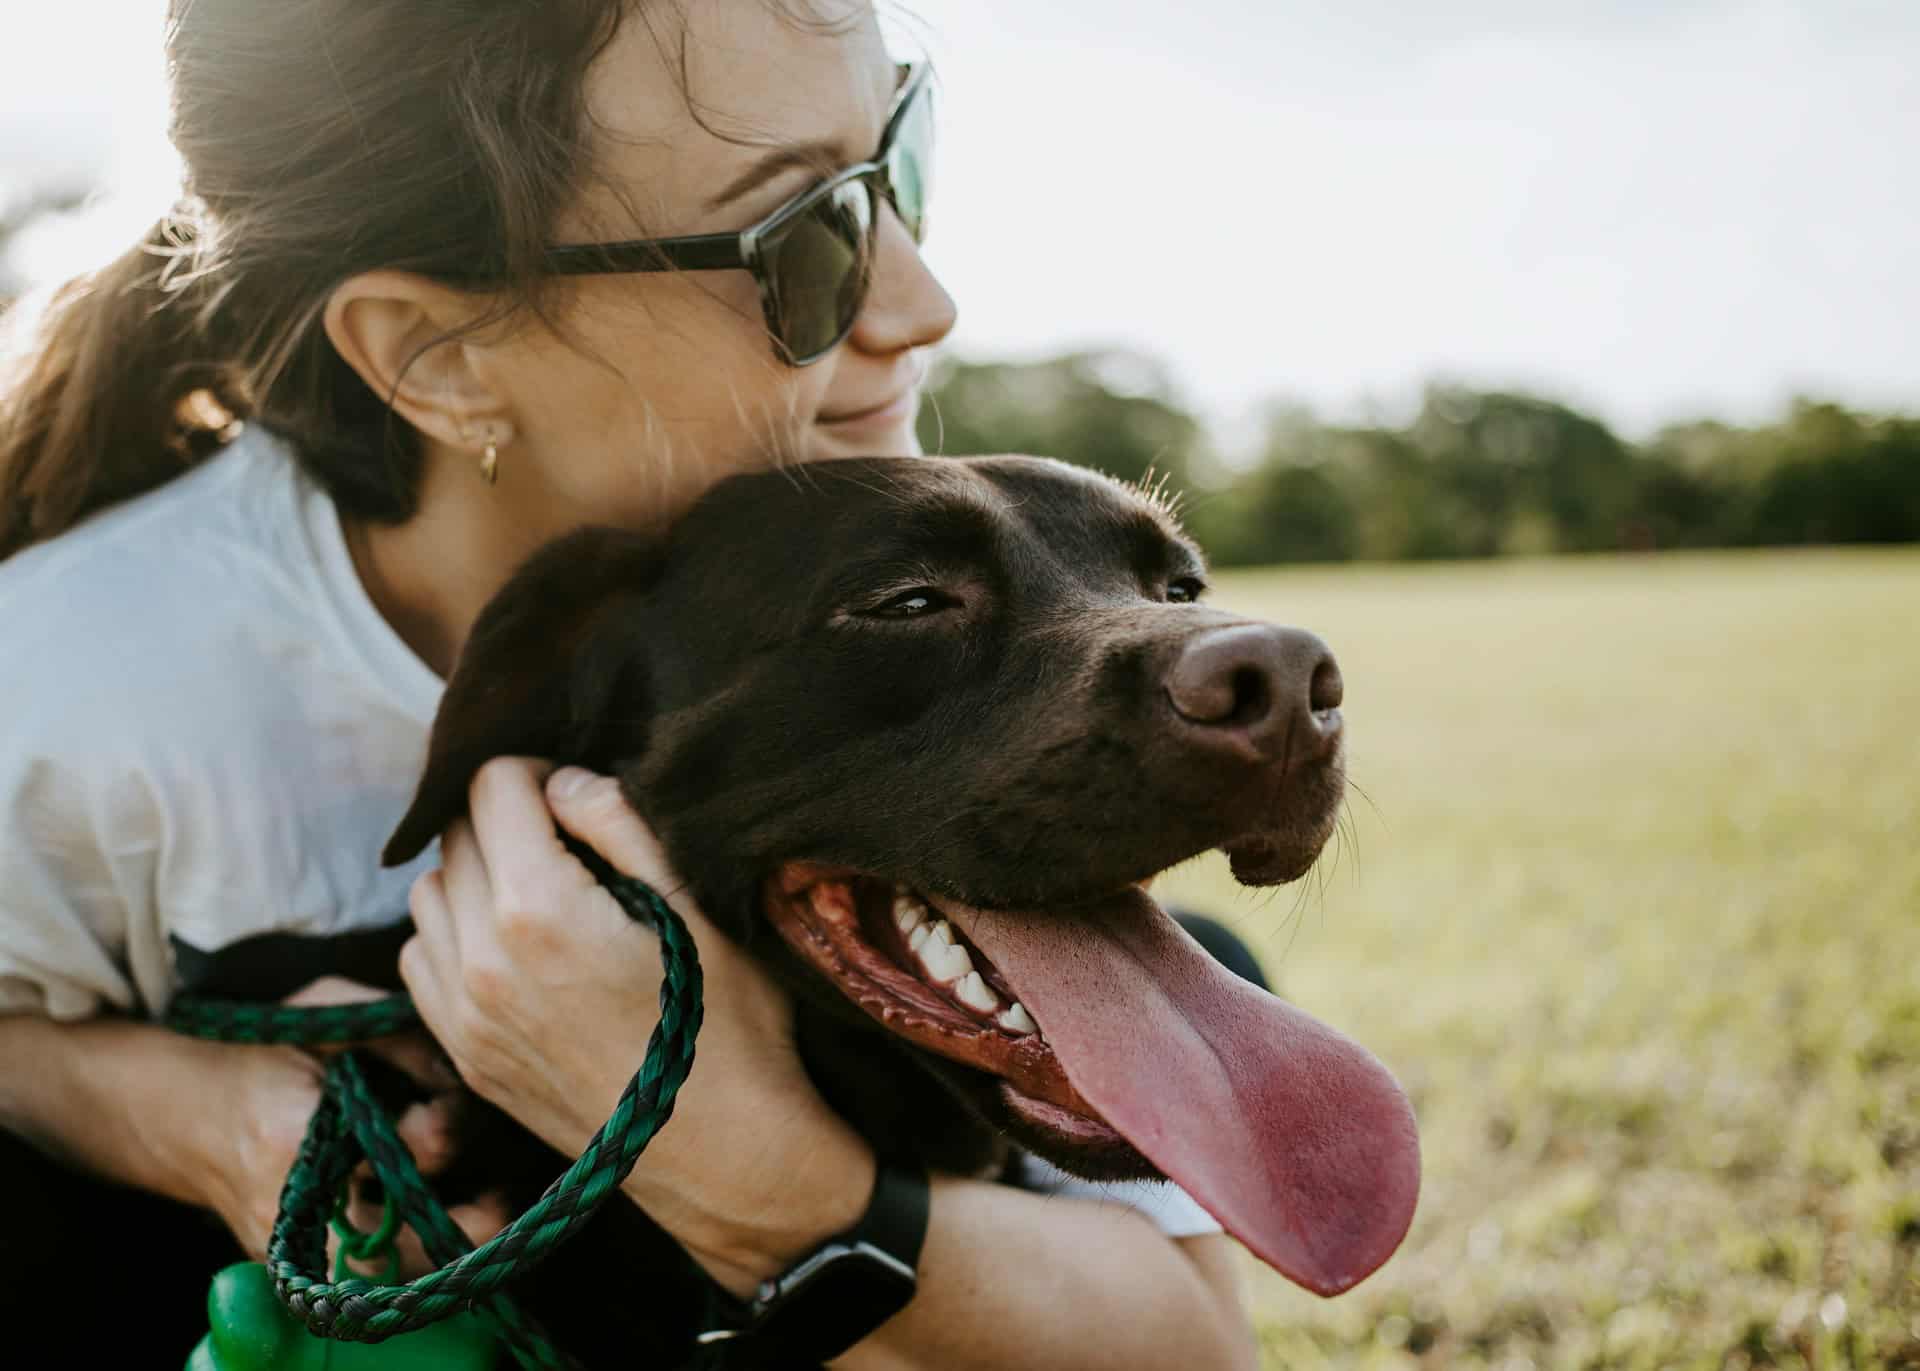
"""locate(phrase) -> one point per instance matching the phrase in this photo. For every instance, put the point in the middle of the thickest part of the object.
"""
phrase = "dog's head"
(936, 723)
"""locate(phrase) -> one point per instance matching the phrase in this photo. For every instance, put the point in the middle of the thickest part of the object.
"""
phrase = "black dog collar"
(840, 1292)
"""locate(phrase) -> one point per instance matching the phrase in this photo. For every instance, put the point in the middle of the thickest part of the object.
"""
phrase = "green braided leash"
(349, 1125)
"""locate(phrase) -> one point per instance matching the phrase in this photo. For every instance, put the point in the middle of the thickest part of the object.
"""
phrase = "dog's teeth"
(1017, 1020)
(943, 959)
(908, 913)
(945, 964)
(974, 994)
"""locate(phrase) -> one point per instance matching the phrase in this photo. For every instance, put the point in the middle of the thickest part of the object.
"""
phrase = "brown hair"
(321, 138)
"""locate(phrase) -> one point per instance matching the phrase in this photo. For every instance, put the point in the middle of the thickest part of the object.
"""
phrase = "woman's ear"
(406, 337)
(551, 669)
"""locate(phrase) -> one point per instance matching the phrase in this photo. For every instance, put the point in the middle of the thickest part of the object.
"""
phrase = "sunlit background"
(1657, 209)
(1629, 889)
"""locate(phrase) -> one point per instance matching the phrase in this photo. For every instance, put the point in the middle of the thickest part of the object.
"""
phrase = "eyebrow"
(815, 156)
(822, 155)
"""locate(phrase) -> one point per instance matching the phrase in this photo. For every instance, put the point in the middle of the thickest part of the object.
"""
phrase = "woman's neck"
(431, 576)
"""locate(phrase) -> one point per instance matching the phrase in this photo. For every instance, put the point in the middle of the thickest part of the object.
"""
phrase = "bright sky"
(1653, 208)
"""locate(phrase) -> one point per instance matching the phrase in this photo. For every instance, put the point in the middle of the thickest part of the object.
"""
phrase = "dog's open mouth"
(1110, 1029)
(897, 957)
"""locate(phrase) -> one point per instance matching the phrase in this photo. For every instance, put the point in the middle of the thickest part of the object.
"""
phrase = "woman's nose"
(906, 306)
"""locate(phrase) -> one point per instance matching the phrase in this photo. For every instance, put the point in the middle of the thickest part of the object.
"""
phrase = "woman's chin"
(892, 437)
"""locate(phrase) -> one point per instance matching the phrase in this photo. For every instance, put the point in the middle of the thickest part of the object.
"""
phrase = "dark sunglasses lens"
(910, 163)
(817, 270)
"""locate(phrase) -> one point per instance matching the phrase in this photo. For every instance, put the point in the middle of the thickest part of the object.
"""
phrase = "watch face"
(834, 1299)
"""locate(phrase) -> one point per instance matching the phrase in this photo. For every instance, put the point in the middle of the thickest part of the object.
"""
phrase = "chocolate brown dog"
(917, 732)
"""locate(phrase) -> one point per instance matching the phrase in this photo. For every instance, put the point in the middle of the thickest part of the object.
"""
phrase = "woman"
(230, 672)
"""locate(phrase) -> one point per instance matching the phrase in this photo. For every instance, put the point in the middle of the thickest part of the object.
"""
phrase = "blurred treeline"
(1474, 474)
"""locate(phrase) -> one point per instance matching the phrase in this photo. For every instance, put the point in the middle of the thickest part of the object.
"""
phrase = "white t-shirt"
(209, 733)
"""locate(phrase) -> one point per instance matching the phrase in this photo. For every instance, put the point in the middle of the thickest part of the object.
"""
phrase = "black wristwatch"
(840, 1292)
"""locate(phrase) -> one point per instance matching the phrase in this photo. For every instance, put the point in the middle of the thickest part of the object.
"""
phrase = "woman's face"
(657, 384)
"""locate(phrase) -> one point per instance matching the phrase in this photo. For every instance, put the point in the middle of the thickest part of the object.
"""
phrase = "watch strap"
(896, 1217)
(779, 1328)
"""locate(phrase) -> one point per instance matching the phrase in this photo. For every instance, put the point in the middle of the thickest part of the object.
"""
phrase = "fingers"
(506, 857)
(482, 1219)
(436, 939)
(459, 880)
(432, 964)
(332, 990)
(364, 1206)
(420, 1057)
(414, 1261)
(479, 1220)
(595, 810)
(512, 825)
(520, 962)
(429, 1131)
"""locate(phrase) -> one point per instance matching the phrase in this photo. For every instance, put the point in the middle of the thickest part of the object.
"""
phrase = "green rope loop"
(356, 1246)
(359, 1246)
(350, 1126)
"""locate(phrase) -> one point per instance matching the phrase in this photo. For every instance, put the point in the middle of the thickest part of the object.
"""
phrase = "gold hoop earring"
(490, 463)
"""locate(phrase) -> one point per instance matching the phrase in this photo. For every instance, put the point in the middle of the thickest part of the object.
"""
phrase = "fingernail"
(568, 781)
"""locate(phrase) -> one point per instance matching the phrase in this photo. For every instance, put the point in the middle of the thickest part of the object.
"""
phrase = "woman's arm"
(526, 970)
(1007, 1278)
(1013, 1278)
(202, 1123)
(215, 1125)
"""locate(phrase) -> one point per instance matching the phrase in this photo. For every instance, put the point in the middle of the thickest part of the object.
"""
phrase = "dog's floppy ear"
(536, 674)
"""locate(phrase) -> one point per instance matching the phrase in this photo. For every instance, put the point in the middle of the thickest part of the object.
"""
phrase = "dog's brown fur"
(766, 695)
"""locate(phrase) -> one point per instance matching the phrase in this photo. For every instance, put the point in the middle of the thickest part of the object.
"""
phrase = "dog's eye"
(912, 604)
(1184, 590)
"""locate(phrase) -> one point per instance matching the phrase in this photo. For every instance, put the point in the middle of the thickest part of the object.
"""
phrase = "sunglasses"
(813, 256)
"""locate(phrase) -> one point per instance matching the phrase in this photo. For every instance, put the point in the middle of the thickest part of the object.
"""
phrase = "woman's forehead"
(686, 105)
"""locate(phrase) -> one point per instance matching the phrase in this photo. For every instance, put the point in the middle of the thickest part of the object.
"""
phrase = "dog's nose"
(1272, 691)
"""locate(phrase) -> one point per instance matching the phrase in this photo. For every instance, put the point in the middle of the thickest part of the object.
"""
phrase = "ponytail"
(125, 382)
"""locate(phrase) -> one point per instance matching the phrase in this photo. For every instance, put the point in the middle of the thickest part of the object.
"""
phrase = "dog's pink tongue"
(1295, 1138)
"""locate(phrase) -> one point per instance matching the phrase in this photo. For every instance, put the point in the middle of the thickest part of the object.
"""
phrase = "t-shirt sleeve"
(78, 847)
(1164, 1204)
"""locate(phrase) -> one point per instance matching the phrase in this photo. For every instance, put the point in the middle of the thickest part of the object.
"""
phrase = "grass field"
(1631, 904)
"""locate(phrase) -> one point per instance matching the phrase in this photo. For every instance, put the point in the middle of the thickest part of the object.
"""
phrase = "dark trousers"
(94, 1274)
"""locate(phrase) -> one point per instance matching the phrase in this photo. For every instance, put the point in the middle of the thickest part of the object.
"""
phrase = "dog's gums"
(917, 981)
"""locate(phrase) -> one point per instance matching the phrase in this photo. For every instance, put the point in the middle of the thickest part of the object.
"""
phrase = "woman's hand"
(544, 993)
(272, 1092)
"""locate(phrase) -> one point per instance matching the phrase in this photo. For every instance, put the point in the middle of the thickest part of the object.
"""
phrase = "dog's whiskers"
(1348, 832)
(1360, 790)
